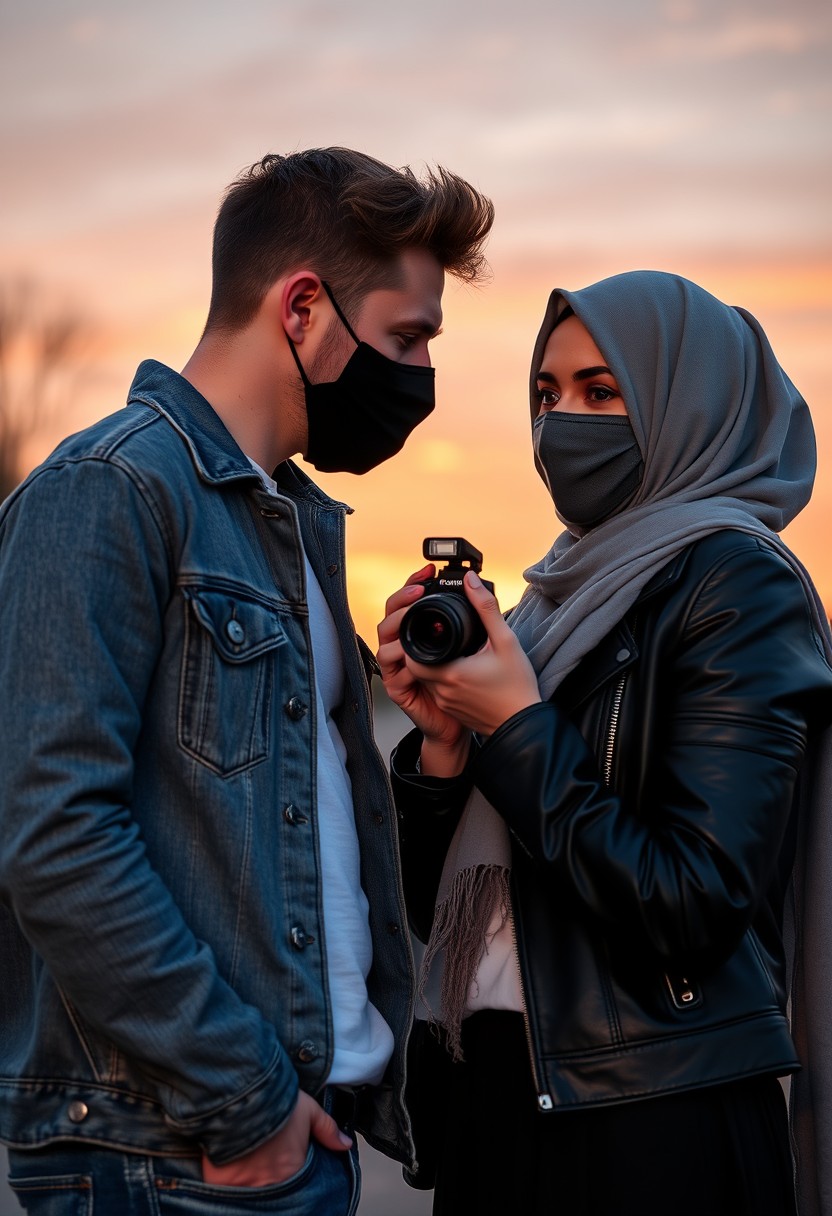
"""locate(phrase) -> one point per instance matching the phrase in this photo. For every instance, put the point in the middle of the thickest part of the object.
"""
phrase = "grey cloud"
(591, 111)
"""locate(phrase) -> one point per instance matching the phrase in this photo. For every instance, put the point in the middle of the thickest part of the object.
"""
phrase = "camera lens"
(439, 628)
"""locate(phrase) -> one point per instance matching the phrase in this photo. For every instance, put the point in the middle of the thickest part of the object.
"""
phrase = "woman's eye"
(548, 398)
(599, 393)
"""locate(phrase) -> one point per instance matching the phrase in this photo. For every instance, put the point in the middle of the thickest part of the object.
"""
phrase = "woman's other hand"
(484, 690)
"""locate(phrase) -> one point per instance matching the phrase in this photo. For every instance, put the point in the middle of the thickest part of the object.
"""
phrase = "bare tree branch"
(41, 354)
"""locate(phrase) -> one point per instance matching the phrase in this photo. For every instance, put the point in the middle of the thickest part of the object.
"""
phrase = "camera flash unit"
(452, 548)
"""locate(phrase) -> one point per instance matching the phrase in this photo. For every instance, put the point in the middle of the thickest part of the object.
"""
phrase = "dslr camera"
(442, 625)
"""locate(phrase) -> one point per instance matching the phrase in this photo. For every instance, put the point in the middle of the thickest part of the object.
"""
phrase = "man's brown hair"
(344, 215)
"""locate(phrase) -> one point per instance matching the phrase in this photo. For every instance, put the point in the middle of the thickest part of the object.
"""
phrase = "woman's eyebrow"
(583, 374)
(591, 371)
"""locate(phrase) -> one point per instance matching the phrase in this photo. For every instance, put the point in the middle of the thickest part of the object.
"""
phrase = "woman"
(601, 809)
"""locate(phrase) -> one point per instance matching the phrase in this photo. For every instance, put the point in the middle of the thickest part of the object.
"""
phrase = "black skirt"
(718, 1151)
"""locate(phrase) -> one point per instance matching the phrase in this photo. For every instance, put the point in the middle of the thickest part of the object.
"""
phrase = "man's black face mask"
(364, 417)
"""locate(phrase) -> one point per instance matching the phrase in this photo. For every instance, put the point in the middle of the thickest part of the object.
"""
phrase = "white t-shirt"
(363, 1040)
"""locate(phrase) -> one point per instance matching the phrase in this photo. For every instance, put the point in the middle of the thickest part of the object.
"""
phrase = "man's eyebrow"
(421, 324)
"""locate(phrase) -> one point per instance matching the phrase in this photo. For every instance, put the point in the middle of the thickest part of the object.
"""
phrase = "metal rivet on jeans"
(78, 1112)
(295, 708)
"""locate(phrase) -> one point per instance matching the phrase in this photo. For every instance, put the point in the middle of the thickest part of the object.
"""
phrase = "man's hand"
(283, 1154)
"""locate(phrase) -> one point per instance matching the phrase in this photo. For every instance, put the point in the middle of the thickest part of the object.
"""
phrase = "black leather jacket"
(651, 806)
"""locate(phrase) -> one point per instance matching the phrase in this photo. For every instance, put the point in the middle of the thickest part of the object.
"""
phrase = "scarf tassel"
(460, 933)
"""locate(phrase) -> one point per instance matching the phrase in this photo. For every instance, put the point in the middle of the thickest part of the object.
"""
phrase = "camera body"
(443, 625)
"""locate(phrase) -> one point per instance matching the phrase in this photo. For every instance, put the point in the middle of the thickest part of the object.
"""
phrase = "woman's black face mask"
(591, 464)
(364, 417)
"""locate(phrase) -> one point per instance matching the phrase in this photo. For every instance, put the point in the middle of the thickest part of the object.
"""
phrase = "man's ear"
(295, 300)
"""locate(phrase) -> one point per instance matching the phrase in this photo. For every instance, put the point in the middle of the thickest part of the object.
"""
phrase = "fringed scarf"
(473, 887)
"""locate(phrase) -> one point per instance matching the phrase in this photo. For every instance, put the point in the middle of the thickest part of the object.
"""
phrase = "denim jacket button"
(300, 938)
(307, 1052)
(78, 1112)
(294, 815)
(235, 631)
(295, 708)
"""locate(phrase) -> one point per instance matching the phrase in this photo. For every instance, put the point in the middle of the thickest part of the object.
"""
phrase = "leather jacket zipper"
(544, 1100)
(613, 728)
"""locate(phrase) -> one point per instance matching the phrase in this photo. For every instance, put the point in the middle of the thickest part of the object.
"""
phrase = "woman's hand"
(482, 691)
(446, 741)
(449, 700)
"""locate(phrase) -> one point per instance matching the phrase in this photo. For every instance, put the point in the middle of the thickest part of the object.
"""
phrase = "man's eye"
(406, 340)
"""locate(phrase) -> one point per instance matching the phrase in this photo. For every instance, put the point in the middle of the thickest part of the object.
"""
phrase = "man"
(203, 954)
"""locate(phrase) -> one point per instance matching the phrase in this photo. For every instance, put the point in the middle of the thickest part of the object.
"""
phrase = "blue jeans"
(70, 1181)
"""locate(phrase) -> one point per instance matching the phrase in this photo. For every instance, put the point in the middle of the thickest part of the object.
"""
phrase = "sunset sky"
(683, 135)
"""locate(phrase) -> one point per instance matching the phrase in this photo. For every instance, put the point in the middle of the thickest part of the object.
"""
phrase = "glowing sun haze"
(682, 135)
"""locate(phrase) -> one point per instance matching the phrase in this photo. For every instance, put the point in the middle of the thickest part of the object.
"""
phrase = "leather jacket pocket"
(227, 678)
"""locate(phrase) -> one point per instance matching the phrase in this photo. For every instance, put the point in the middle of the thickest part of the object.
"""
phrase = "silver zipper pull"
(682, 991)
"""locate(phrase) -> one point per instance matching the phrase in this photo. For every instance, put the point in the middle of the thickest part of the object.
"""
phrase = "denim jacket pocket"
(227, 678)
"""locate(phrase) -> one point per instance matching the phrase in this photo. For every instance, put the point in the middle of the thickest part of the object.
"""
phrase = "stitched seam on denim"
(82, 1183)
(82, 1038)
(241, 893)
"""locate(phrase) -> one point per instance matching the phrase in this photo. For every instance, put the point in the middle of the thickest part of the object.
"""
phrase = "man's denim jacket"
(163, 981)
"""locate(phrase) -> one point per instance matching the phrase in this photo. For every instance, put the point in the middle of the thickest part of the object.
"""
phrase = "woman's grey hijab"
(726, 439)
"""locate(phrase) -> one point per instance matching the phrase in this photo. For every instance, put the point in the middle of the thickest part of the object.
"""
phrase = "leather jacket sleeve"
(428, 809)
(680, 848)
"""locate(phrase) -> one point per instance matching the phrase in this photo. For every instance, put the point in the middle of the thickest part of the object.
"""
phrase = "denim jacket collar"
(217, 457)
